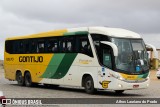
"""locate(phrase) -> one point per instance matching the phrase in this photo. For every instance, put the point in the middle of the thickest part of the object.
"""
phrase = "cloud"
(152, 39)
(129, 14)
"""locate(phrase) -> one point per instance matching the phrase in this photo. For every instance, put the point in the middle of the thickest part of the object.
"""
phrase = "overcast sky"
(22, 17)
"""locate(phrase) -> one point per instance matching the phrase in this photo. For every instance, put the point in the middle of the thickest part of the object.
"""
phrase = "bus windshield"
(132, 56)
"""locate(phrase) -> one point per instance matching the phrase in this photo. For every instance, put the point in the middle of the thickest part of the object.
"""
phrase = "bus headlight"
(117, 76)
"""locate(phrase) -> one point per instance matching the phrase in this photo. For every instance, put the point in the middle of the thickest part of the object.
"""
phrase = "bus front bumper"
(123, 85)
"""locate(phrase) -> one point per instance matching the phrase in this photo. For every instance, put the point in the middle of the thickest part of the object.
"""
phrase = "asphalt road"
(12, 90)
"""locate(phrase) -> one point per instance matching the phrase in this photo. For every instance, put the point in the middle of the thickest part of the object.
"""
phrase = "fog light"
(120, 85)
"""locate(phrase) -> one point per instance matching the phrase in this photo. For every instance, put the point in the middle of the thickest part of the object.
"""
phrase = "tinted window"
(26, 46)
(33, 46)
(84, 46)
(63, 44)
(41, 46)
(52, 45)
(67, 44)
(9, 46)
(96, 40)
(16, 48)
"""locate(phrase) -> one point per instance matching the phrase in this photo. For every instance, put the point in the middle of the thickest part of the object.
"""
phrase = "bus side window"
(52, 45)
(26, 46)
(9, 47)
(96, 41)
(63, 46)
(21, 47)
(70, 44)
(66, 44)
(40, 48)
(15, 45)
(33, 46)
(55, 47)
(107, 58)
(84, 46)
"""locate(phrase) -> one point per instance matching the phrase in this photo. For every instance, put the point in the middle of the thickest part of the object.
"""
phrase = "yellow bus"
(90, 57)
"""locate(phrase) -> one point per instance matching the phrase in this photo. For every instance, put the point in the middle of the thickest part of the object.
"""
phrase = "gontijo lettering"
(31, 59)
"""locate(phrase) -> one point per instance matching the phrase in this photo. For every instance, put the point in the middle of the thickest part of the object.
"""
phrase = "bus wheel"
(28, 80)
(119, 91)
(20, 79)
(89, 85)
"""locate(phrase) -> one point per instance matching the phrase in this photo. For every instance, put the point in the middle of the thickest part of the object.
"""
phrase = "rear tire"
(20, 79)
(158, 77)
(28, 79)
(89, 85)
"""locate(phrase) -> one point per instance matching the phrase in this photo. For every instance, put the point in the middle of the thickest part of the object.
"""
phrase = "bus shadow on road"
(81, 90)
(113, 94)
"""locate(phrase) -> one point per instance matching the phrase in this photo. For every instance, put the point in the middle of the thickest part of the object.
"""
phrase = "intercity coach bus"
(90, 57)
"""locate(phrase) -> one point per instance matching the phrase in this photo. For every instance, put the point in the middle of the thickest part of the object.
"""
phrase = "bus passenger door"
(106, 60)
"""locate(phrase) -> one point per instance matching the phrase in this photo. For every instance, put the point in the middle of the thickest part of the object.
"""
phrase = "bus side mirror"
(113, 46)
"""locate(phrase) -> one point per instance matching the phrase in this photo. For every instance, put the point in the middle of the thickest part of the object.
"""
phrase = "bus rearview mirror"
(113, 46)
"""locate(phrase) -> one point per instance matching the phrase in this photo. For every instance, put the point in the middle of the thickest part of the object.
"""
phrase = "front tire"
(28, 79)
(89, 85)
(158, 77)
(20, 79)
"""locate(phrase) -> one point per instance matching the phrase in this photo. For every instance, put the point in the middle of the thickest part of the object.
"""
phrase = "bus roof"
(114, 32)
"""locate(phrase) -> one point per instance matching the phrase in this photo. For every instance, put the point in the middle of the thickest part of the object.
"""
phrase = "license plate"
(135, 86)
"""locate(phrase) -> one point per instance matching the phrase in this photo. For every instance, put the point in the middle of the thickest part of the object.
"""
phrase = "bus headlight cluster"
(117, 76)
